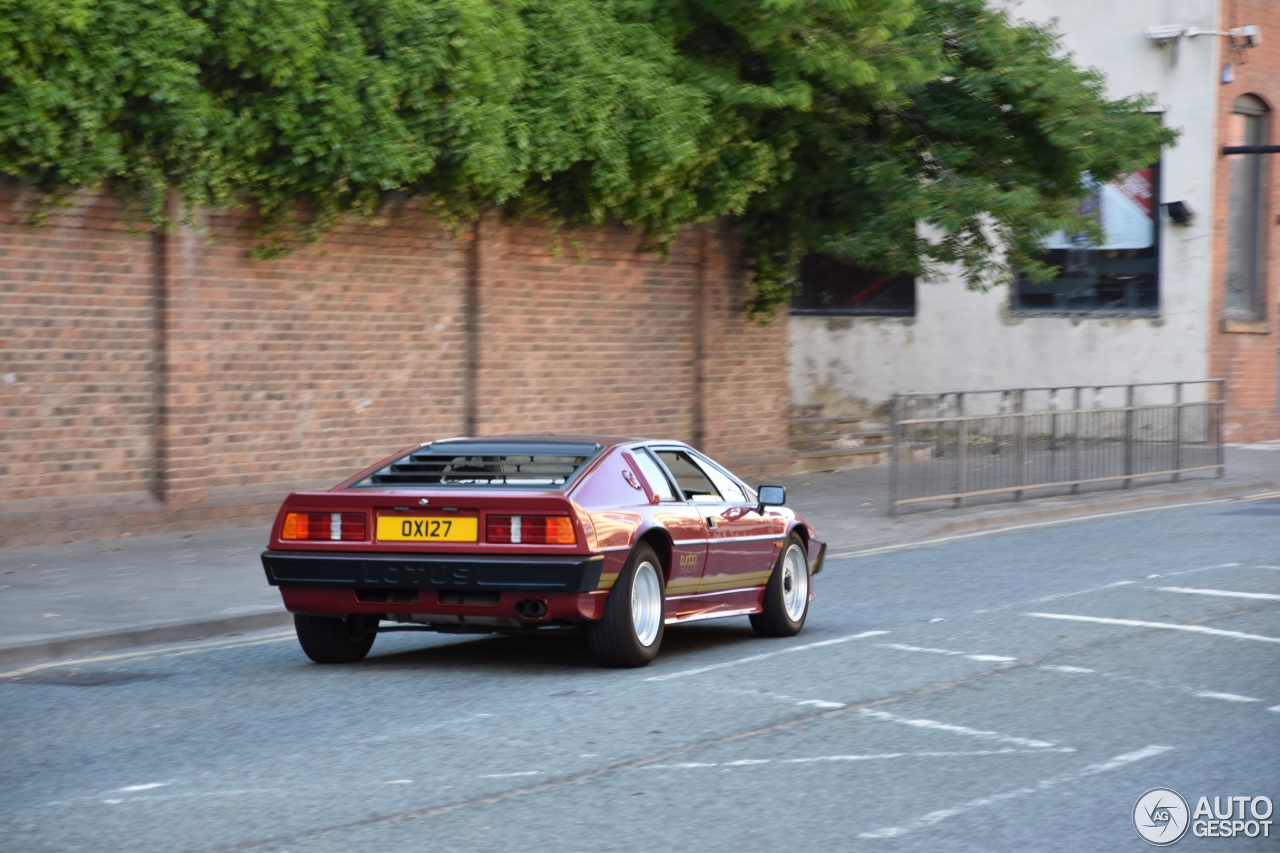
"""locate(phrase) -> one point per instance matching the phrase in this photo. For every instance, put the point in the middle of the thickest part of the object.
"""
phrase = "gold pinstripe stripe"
(734, 581)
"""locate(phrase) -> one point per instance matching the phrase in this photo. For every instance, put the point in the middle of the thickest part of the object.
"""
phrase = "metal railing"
(960, 446)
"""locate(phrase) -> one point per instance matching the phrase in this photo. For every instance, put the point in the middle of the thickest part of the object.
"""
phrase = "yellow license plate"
(426, 528)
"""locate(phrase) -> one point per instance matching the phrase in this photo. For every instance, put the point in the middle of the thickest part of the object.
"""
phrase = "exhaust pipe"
(531, 608)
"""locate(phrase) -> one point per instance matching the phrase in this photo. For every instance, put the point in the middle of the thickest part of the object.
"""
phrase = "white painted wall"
(965, 340)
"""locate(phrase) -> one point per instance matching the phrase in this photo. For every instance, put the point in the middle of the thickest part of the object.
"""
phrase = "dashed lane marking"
(951, 728)
(753, 658)
(1167, 626)
(940, 815)
(982, 658)
(1160, 686)
(835, 759)
(1221, 593)
(1226, 697)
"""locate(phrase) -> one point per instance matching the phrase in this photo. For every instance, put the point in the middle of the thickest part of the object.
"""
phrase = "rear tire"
(631, 630)
(786, 596)
(329, 640)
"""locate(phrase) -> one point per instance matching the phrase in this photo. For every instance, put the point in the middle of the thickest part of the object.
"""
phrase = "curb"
(1024, 515)
(97, 642)
(1031, 514)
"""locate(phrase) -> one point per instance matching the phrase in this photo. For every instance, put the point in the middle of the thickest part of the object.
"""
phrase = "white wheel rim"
(646, 603)
(795, 583)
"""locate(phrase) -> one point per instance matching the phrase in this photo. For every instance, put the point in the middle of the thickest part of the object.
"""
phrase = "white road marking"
(1102, 588)
(171, 798)
(833, 759)
(512, 775)
(147, 787)
(1205, 569)
(1226, 697)
(1044, 785)
(1275, 708)
(1168, 626)
(1162, 687)
(1221, 593)
(954, 729)
(753, 658)
(1055, 597)
(821, 704)
(984, 658)
(1081, 592)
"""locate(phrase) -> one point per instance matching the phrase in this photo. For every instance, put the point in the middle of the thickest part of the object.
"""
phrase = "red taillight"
(529, 530)
(331, 526)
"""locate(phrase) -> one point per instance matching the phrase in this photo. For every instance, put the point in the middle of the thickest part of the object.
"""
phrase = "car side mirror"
(771, 496)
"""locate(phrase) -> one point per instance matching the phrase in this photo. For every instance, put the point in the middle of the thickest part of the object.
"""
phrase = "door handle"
(711, 521)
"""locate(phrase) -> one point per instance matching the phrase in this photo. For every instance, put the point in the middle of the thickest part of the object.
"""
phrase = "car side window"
(690, 476)
(654, 476)
(728, 489)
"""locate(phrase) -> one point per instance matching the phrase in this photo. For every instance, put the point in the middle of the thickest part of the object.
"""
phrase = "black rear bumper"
(399, 571)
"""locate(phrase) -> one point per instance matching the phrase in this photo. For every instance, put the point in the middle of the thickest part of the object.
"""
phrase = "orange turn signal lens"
(332, 526)
(559, 531)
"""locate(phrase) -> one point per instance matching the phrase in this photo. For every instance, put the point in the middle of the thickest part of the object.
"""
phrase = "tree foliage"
(818, 125)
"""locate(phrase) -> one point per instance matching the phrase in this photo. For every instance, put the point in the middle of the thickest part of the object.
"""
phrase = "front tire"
(786, 596)
(330, 640)
(631, 630)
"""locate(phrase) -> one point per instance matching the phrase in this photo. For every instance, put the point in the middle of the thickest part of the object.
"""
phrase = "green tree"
(970, 167)
(818, 125)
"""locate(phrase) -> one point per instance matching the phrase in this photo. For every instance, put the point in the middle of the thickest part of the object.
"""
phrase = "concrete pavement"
(110, 594)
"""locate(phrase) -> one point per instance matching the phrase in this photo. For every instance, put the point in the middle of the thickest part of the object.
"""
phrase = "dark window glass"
(690, 476)
(1119, 275)
(1248, 126)
(497, 463)
(832, 286)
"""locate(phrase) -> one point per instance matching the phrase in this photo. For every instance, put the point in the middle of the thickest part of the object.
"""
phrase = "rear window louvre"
(527, 465)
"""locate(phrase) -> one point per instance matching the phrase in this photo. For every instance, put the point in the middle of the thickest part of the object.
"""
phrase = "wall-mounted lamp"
(1179, 211)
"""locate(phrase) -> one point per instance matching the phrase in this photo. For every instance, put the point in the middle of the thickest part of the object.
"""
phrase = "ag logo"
(1161, 816)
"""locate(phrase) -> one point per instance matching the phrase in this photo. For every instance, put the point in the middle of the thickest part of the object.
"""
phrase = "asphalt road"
(1009, 691)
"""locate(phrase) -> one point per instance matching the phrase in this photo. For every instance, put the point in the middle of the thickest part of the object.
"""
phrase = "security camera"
(1180, 212)
(1246, 36)
(1165, 34)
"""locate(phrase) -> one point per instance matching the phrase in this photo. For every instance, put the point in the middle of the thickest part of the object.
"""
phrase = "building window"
(1248, 126)
(1120, 275)
(831, 286)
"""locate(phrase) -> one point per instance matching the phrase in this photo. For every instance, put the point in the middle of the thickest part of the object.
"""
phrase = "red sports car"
(527, 533)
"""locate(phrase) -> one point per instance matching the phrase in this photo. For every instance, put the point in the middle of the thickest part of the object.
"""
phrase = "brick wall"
(152, 382)
(77, 335)
(1247, 354)
(586, 334)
